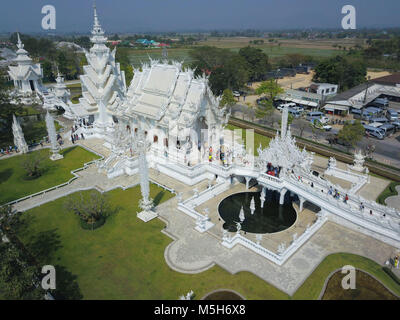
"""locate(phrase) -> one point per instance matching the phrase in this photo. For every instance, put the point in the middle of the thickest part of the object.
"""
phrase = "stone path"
(87, 179)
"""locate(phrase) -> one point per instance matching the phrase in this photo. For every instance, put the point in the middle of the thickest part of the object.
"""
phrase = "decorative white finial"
(20, 45)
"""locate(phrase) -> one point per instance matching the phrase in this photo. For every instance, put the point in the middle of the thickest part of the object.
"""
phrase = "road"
(387, 151)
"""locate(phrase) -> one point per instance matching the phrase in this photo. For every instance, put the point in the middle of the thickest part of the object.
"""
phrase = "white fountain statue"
(359, 160)
(331, 163)
(51, 130)
(262, 197)
(189, 296)
(281, 248)
(252, 205)
(241, 214)
(19, 140)
(146, 203)
(238, 227)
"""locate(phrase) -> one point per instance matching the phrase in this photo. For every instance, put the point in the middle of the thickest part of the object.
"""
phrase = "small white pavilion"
(27, 76)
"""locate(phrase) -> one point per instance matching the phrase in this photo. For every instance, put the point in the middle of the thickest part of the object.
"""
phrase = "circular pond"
(223, 295)
(273, 217)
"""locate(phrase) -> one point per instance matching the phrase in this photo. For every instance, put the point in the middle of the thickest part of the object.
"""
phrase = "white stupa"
(19, 139)
(51, 130)
(103, 83)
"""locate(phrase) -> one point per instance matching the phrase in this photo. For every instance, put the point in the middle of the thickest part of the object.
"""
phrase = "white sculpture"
(281, 248)
(241, 214)
(146, 203)
(189, 296)
(51, 130)
(252, 205)
(331, 163)
(19, 139)
(359, 160)
(238, 227)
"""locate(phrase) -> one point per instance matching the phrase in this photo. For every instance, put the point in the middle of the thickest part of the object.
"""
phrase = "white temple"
(27, 76)
(183, 126)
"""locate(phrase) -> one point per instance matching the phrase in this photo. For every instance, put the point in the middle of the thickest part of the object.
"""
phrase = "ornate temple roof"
(170, 95)
(25, 68)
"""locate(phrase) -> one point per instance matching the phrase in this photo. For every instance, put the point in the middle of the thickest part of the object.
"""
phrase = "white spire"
(97, 30)
(20, 45)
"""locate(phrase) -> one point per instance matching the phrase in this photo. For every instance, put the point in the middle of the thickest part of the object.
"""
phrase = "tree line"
(228, 69)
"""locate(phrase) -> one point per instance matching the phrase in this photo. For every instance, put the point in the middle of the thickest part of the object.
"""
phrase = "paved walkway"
(87, 179)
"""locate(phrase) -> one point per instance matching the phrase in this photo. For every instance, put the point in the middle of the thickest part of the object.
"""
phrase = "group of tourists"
(75, 137)
(8, 150)
(273, 171)
(336, 194)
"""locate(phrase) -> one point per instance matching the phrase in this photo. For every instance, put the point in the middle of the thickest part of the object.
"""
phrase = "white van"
(314, 114)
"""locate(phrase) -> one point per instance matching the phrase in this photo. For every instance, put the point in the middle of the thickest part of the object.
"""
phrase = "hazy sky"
(183, 15)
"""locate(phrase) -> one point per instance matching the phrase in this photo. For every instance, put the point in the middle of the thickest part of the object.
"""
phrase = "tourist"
(312, 184)
(361, 206)
(346, 198)
(72, 139)
(370, 212)
(83, 138)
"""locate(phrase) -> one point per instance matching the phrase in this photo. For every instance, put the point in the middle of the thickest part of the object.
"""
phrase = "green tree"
(18, 279)
(122, 57)
(227, 98)
(342, 71)
(270, 88)
(226, 69)
(89, 208)
(257, 62)
(34, 165)
(265, 110)
(352, 132)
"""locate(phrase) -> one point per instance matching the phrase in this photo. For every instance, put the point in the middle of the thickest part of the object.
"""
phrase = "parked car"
(262, 100)
(373, 131)
(392, 115)
(236, 94)
(316, 122)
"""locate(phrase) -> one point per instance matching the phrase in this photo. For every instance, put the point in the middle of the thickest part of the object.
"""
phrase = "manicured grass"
(258, 138)
(124, 259)
(15, 184)
(312, 287)
(388, 192)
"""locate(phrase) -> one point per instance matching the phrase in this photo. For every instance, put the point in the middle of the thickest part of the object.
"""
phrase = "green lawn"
(388, 192)
(312, 287)
(14, 183)
(124, 259)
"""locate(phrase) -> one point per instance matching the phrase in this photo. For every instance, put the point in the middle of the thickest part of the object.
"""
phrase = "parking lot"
(386, 151)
